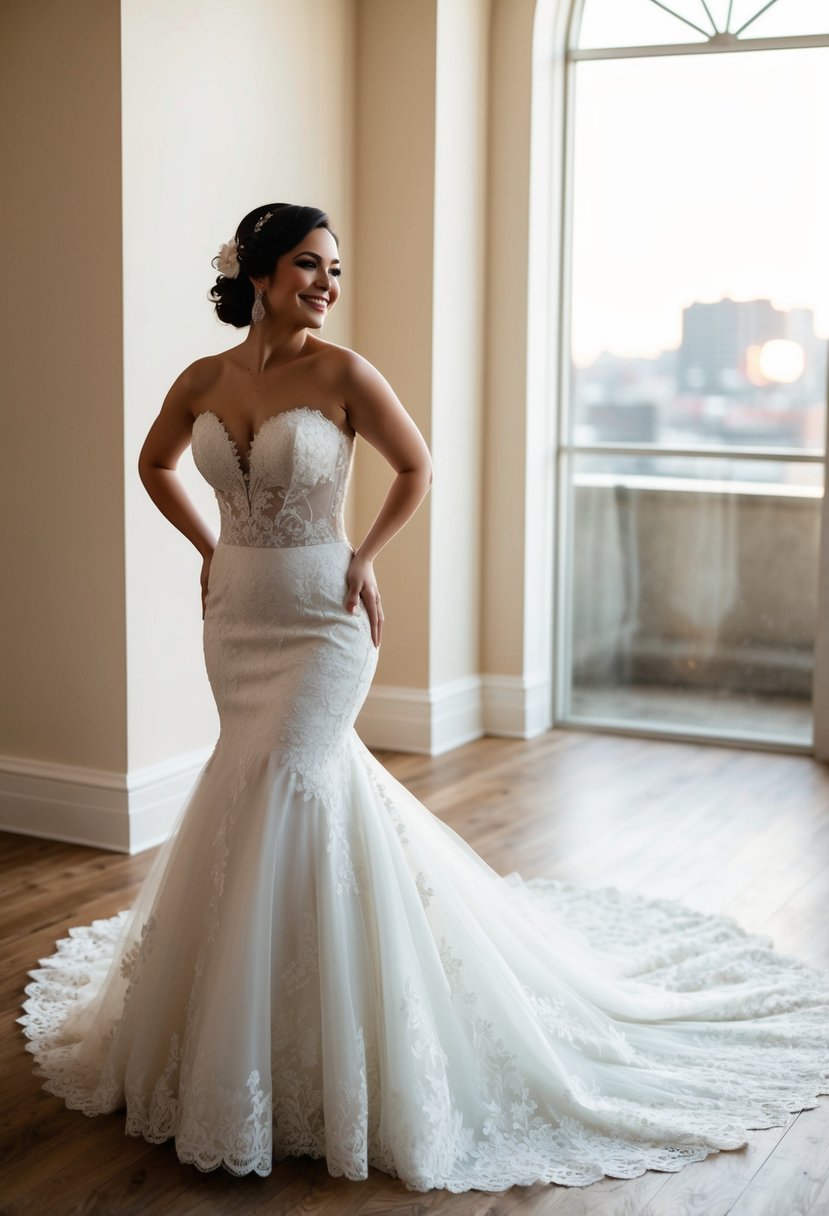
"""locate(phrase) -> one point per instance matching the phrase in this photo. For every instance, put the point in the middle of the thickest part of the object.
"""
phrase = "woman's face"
(304, 286)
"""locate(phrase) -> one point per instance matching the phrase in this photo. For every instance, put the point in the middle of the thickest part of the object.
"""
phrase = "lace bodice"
(293, 494)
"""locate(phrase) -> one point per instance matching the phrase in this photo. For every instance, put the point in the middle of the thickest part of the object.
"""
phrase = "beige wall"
(393, 282)
(459, 292)
(420, 208)
(508, 240)
(63, 630)
(135, 137)
(442, 227)
(227, 104)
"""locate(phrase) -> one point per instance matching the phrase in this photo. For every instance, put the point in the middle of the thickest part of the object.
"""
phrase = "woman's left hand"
(363, 585)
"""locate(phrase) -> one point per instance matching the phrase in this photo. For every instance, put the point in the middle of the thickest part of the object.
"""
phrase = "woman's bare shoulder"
(342, 362)
(200, 375)
(193, 383)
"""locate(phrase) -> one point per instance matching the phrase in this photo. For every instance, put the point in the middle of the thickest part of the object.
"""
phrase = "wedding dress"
(315, 964)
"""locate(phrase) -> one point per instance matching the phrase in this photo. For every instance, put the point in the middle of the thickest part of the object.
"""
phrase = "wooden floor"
(740, 832)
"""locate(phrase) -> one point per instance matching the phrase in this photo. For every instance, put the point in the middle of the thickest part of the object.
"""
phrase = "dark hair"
(258, 253)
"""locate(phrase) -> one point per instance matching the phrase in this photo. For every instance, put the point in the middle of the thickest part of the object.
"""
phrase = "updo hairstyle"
(258, 253)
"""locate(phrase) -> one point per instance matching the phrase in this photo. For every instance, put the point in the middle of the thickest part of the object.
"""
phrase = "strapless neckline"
(294, 409)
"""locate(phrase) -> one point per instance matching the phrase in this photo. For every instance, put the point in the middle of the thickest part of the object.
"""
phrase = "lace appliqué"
(297, 1084)
(317, 736)
(294, 491)
(300, 970)
(425, 892)
(239, 1120)
(347, 1126)
(134, 958)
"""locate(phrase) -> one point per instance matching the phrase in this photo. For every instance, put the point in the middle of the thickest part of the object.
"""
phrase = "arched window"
(694, 382)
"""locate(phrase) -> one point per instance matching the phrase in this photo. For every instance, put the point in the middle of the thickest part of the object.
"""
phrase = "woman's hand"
(363, 584)
(205, 573)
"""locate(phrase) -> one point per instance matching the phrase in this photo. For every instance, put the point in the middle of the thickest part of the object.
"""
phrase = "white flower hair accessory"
(227, 260)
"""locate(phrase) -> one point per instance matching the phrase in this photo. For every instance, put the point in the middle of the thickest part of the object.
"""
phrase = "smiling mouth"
(318, 302)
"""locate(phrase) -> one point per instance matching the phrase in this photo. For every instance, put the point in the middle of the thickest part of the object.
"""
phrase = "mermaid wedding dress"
(315, 964)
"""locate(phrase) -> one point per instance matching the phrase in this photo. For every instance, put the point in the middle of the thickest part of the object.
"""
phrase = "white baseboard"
(517, 707)
(434, 721)
(427, 721)
(106, 810)
(158, 792)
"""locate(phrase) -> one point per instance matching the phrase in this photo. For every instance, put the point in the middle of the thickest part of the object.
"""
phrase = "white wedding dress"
(317, 964)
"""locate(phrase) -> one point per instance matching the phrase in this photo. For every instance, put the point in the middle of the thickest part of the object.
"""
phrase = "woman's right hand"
(205, 574)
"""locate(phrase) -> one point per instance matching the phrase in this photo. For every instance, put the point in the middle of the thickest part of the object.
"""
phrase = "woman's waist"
(230, 555)
(284, 529)
(280, 546)
(250, 585)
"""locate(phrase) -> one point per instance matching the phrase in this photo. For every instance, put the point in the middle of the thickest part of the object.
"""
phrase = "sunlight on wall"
(210, 126)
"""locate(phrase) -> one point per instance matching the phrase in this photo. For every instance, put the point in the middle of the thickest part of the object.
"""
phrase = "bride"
(317, 965)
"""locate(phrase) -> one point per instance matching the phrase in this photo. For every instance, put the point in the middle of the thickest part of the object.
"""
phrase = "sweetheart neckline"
(294, 409)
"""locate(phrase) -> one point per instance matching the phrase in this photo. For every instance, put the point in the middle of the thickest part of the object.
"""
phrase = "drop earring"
(258, 310)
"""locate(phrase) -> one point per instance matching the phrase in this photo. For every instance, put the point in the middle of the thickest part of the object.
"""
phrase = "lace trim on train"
(763, 1069)
(515, 1145)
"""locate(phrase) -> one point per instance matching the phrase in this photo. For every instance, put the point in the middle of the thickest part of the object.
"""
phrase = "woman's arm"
(166, 439)
(376, 413)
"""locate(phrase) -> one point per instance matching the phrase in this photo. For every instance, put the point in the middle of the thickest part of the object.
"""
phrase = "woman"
(315, 964)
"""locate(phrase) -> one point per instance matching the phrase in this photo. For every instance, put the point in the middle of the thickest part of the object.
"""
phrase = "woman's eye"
(309, 265)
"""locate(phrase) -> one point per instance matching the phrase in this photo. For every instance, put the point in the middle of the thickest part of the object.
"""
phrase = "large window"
(696, 317)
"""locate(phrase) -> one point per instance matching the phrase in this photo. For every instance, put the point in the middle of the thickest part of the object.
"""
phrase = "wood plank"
(794, 1179)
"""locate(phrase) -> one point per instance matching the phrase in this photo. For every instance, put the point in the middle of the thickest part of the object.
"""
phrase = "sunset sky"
(697, 176)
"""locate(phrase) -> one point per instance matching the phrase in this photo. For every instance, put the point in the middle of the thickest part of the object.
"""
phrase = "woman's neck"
(267, 347)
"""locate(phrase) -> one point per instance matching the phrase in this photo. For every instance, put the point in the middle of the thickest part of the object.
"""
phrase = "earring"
(258, 310)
